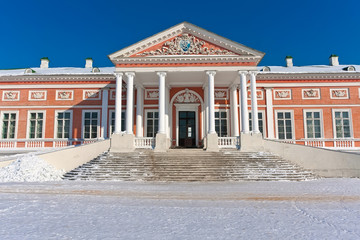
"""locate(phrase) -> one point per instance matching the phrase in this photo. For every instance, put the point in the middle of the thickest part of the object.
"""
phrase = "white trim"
(66, 91)
(33, 99)
(56, 86)
(292, 124)
(16, 123)
(310, 89)
(54, 106)
(28, 123)
(95, 91)
(276, 96)
(317, 105)
(152, 97)
(83, 125)
(307, 84)
(193, 107)
(56, 123)
(339, 89)
(321, 123)
(269, 113)
(9, 99)
(334, 124)
(226, 90)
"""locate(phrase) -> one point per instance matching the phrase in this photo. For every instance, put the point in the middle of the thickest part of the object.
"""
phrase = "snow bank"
(29, 168)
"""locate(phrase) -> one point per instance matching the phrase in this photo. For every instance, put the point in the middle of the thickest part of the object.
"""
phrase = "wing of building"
(183, 87)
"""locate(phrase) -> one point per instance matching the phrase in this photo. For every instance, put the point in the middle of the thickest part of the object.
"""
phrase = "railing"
(228, 142)
(145, 142)
(42, 143)
(325, 143)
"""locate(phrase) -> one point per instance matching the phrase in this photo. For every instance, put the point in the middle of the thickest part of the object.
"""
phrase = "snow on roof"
(56, 71)
(111, 70)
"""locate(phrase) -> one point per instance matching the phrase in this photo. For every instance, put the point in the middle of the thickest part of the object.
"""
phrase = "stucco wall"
(71, 158)
(323, 162)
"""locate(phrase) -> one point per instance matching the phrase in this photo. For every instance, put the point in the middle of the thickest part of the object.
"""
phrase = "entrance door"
(187, 129)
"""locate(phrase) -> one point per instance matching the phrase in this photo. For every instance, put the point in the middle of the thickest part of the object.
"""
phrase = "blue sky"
(68, 31)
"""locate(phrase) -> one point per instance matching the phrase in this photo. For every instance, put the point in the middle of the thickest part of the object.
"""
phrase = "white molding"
(39, 91)
(226, 90)
(64, 91)
(16, 97)
(347, 96)
(28, 123)
(277, 95)
(155, 92)
(83, 125)
(193, 107)
(56, 86)
(54, 106)
(321, 122)
(350, 119)
(292, 123)
(16, 123)
(319, 105)
(310, 89)
(269, 113)
(93, 91)
(307, 76)
(56, 122)
(308, 84)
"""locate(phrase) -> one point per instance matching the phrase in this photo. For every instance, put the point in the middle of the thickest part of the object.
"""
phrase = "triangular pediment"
(186, 40)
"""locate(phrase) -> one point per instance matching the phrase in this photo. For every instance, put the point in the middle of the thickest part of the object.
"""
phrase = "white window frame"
(350, 119)
(83, 125)
(56, 123)
(146, 118)
(28, 123)
(110, 113)
(321, 122)
(292, 123)
(16, 123)
(263, 119)
(228, 130)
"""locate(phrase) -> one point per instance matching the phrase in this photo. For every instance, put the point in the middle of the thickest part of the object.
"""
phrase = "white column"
(269, 114)
(234, 112)
(254, 106)
(161, 102)
(118, 100)
(244, 104)
(206, 102)
(139, 110)
(129, 102)
(211, 77)
(104, 112)
(239, 108)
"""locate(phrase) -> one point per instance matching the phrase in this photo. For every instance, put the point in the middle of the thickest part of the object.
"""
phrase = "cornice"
(67, 77)
(308, 76)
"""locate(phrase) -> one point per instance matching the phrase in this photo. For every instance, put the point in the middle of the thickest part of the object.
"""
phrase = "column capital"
(254, 73)
(161, 74)
(243, 72)
(139, 85)
(211, 72)
(118, 74)
(128, 74)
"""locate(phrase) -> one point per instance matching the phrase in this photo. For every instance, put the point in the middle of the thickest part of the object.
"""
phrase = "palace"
(183, 87)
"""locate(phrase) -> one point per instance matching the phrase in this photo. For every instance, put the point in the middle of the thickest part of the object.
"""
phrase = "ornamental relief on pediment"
(186, 44)
(221, 94)
(186, 97)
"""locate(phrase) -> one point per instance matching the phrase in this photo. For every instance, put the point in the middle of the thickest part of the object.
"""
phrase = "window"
(112, 121)
(91, 121)
(8, 125)
(63, 124)
(152, 123)
(221, 123)
(342, 123)
(36, 120)
(260, 120)
(284, 125)
(313, 124)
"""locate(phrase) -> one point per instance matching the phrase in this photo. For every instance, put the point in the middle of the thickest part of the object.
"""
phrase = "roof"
(309, 69)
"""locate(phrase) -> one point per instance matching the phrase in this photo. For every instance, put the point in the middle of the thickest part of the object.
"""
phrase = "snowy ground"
(322, 209)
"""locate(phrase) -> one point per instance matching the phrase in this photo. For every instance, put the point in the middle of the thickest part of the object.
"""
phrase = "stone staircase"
(189, 165)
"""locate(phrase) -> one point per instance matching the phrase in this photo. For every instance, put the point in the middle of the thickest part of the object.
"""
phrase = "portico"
(189, 91)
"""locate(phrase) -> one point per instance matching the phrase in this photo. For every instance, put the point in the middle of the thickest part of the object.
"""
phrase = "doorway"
(187, 129)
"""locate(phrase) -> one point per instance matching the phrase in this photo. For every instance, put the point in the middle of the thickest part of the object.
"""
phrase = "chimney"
(88, 63)
(334, 60)
(44, 62)
(289, 61)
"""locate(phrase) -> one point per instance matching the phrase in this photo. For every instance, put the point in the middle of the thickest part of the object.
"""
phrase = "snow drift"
(29, 168)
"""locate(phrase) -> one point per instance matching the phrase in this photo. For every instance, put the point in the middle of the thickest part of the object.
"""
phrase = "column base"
(162, 143)
(251, 142)
(122, 143)
(212, 142)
